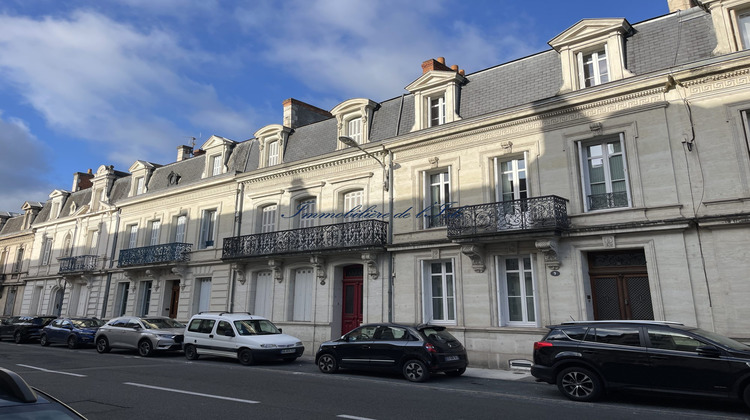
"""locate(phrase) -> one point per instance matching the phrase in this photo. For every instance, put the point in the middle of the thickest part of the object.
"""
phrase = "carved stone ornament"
(180, 270)
(608, 241)
(506, 144)
(433, 161)
(548, 247)
(476, 254)
(319, 263)
(370, 261)
(239, 271)
(596, 128)
(276, 269)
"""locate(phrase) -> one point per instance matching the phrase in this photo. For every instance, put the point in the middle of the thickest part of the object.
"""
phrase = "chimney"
(184, 153)
(298, 113)
(199, 152)
(433, 64)
(81, 180)
(676, 5)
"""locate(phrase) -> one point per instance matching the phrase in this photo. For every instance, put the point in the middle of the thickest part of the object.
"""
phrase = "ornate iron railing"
(537, 213)
(81, 263)
(608, 200)
(341, 236)
(155, 254)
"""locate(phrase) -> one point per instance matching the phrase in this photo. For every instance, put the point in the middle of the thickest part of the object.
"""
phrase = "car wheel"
(43, 340)
(18, 338)
(145, 348)
(190, 352)
(102, 345)
(746, 395)
(416, 371)
(246, 357)
(72, 342)
(457, 372)
(327, 363)
(579, 384)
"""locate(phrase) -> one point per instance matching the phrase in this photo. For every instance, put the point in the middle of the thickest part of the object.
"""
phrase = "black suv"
(24, 328)
(586, 358)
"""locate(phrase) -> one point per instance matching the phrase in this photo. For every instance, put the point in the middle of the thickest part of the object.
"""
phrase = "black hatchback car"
(415, 351)
(585, 359)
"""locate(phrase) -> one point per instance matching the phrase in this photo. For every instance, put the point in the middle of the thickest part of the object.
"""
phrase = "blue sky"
(86, 83)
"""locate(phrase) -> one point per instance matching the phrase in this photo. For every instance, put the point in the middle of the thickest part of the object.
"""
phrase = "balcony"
(359, 235)
(538, 215)
(155, 254)
(79, 264)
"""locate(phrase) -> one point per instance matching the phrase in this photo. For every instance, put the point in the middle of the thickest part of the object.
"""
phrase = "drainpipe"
(389, 254)
(238, 202)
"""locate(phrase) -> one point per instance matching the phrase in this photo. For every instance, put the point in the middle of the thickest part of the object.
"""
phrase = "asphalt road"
(121, 385)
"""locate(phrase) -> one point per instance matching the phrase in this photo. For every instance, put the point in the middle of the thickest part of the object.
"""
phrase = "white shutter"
(133, 236)
(303, 295)
(180, 232)
(204, 294)
(263, 294)
(155, 227)
(268, 219)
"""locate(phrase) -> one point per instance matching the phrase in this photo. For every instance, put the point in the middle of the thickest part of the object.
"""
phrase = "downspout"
(111, 264)
(389, 254)
(238, 202)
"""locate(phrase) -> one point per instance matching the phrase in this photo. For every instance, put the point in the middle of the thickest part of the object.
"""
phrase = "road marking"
(346, 416)
(179, 391)
(51, 371)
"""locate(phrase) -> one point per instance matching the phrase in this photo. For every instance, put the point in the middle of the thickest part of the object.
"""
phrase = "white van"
(238, 335)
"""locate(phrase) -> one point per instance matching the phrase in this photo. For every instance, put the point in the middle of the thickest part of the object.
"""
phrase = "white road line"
(179, 391)
(51, 371)
(346, 416)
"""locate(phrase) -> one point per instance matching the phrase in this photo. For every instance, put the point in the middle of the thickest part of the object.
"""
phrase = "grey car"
(145, 334)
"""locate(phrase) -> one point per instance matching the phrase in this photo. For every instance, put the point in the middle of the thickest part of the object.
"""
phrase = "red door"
(352, 308)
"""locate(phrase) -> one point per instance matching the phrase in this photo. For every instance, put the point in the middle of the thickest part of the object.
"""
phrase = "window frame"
(503, 297)
(302, 297)
(46, 250)
(140, 185)
(272, 154)
(180, 228)
(583, 158)
(429, 201)
(301, 222)
(440, 106)
(132, 238)
(216, 165)
(268, 218)
(155, 232)
(427, 295)
(354, 129)
(597, 76)
(516, 171)
(208, 228)
(350, 199)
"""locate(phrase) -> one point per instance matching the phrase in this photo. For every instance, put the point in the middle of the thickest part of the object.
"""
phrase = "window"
(179, 233)
(208, 226)
(517, 301)
(352, 202)
(121, 298)
(93, 238)
(155, 227)
(672, 340)
(593, 68)
(263, 294)
(302, 294)
(743, 24)
(46, 250)
(19, 261)
(139, 184)
(624, 336)
(67, 246)
(55, 210)
(354, 129)
(439, 292)
(3, 256)
(273, 153)
(268, 218)
(145, 298)
(437, 198)
(436, 111)
(306, 209)
(510, 180)
(604, 175)
(215, 165)
(132, 236)
(203, 294)
(204, 326)
(36, 300)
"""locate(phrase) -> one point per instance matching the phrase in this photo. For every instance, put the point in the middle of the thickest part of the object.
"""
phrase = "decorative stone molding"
(476, 254)
(239, 271)
(180, 270)
(276, 269)
(370, 261)
(596, 128)
(319, 263)
(608, 241)
(549, 248)
(433, 161)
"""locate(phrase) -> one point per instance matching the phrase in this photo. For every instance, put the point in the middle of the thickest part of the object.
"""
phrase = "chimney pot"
(454, 67)
(441, 60)
(462, 72)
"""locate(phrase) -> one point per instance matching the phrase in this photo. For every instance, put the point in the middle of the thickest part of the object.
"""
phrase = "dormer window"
(731, 19)
(436, 94)
(437, 111)
(271, 141)
(354, 130)
(273, 153)
(353, 117)
(216, 165)
(217, 150)
(139, 183)
(593, 68)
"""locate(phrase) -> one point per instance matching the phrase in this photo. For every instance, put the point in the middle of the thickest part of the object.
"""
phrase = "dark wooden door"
(352, 298)
(620, 285)
(174, 299)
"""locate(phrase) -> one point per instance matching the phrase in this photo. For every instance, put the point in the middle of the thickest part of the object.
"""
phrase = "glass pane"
(511, 264)
(448, 267)
(449, 285)
(527, 263)
(437, 287)
(514, 284)
(436, 268)
(515, 312)
(528, 284)
(616, 167)
(451, 309)
(530, 309)
(349, 301)
(437, 308)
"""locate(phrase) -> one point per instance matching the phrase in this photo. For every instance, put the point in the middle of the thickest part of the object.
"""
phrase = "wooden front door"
(620, 286)
(352, 298)
(174, 299)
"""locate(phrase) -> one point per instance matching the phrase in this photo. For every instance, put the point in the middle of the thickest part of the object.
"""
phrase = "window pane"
(437, 287)
(515, 313)
(514, 284)
(511, 264)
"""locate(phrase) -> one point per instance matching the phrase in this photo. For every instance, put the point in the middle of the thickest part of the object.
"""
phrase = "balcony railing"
(340, 236)
(529, 214)
(81, 263)
(608, 200)
(155, 254)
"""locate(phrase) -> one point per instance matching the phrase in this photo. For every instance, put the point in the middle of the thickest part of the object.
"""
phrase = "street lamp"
(388, 187)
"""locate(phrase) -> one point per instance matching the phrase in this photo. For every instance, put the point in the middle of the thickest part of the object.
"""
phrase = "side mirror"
(709, 351)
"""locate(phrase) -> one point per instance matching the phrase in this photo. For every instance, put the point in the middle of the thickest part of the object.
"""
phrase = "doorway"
(174, 299)
(351, 316)
(619, 285)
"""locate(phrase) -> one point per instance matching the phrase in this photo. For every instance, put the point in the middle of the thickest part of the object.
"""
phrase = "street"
(121, 385)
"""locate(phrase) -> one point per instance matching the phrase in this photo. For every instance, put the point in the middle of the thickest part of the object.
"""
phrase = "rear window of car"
(624, 336)
(571, 333)
(204, 326)
(438, 335)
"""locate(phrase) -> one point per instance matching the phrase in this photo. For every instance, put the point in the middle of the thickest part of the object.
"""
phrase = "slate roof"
(13, 225)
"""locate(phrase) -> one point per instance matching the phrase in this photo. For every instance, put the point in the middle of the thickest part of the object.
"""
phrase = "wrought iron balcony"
(548, 213)
(363, 234)
(155, 254)
(608, 200)
(79, 264)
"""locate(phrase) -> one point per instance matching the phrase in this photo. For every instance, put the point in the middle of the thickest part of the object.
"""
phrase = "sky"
(85, 83)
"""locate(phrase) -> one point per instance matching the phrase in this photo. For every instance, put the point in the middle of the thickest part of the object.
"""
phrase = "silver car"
(145, 334)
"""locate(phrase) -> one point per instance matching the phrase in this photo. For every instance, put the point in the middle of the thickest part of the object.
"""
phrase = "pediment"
(271, 130)
(58, 193)
(105, 170)
(352, 105)
(141, 165)
(32, 205)
(588, 29)
(216, 141)
(435, 78)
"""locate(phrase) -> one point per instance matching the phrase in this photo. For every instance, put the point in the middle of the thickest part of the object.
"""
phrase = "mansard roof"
(13, 225)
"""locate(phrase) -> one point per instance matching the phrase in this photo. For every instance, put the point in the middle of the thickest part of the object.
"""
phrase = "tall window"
(273, 153)
(208, 227)
(132, 236)
(354, 129)
(263, 294)
(515, 286)
(46, 250)
(36, 300)
(121, 299)
(67, 246)
(439, 292)
(510, 180)
(743, 24)
(303, 295)
(203, 294)
(145, 298)
(155, 228)
(268, 218)
(604, 174)
(308, 208)
(93, 238)
(593, 68)
(139, 184)
(437, 198)
(3, 256)
(215, 165)
(352, 199)
(437, 111)
(179, 233)
(19, 261)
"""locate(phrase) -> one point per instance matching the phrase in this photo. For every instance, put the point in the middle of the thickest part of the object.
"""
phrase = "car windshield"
(725, 341)
(87, 323)
(158, 323)
(255, 326)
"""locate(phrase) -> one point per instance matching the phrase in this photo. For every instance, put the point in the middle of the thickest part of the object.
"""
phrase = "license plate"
(287, 351)
(451, 358)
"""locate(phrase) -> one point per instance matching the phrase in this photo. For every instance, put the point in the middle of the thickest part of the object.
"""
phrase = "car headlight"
(171, 336)
(298, 344)
(268, 346)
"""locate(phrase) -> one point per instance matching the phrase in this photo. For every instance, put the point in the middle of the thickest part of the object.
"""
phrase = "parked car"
(24, 328)
(585, 359)
(20, 401)
(245, 337)
(74, 332)
(146, 334)
(415, 351)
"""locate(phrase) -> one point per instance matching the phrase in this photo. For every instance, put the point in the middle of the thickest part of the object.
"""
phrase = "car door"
(678, 365)
(53, 331)
(355, 349)
(224, 341)
(387, 348)
(115, 330)
(618, 352)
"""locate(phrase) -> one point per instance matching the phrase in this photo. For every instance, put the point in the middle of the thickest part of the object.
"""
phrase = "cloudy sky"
(85, 83)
